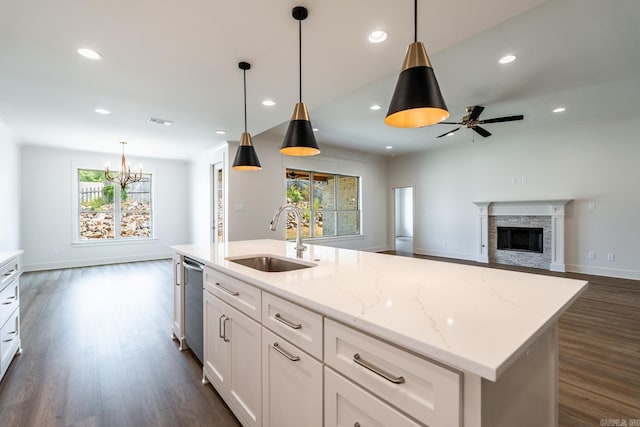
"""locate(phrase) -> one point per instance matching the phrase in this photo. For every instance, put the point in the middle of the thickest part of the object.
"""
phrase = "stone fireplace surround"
(549, 212)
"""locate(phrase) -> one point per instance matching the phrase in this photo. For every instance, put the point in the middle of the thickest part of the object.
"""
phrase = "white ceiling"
(178, 61)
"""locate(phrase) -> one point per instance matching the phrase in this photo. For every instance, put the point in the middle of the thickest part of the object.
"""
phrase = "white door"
(217, 204)
(291, 385)
(245, 388)
(217, 351)
(403, 220)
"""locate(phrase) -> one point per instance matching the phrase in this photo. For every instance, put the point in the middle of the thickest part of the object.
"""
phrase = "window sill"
(109, 242)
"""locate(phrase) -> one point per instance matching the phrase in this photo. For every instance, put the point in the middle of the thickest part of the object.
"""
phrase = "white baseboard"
(603, 271)
(90, 262)
(443, 254)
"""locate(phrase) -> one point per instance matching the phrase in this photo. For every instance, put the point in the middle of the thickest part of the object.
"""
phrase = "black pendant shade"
(246, 158)
(417, 100)
(300, 139)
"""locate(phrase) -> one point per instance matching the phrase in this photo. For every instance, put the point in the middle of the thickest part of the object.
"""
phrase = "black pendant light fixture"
(417, 100)
(246, 158)
(299, 139)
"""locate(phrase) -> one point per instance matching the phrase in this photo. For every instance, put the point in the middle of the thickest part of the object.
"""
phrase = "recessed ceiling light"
(507, 59)
(378, 36)
(375, 107)
(268, 103)
(388, 147)
(559, 110)
(90, 53)
(102, 111)
(315, 129)
(221, 132)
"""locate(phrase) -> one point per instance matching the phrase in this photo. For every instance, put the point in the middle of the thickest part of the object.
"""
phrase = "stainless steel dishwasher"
(193, 292)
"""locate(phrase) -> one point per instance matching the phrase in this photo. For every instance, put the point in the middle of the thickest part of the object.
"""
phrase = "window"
(108, 212)
(330, 203)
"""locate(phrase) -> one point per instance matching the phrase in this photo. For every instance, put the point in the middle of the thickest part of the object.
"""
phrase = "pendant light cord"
(300, 56)
(415, 21)
(244, 76)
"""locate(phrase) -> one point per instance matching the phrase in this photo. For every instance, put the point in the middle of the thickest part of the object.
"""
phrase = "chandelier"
(125, 176)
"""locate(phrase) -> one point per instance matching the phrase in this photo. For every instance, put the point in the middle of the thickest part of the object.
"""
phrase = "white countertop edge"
(7, 255)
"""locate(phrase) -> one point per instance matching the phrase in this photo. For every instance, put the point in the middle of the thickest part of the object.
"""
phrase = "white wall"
(589, 162)
(253, 197)
(48, 235)
(10, 184)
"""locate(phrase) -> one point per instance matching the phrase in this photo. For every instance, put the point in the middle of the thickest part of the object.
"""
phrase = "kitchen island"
(486, 337)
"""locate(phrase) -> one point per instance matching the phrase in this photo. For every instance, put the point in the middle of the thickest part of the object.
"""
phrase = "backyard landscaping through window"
(108, 212)
(330, 203)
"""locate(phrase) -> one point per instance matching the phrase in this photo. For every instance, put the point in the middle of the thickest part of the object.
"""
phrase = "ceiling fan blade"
(481, 131)
(502, 119)
(445, 134)
(448, 123)
(475, 113)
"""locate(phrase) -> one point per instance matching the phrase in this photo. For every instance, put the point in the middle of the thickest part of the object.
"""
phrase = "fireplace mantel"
(553, 208)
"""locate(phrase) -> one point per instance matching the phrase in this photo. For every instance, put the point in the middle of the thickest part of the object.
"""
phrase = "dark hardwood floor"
(97, 353)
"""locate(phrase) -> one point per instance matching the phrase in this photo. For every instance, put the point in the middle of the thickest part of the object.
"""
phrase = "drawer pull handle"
(384, 374)
(289, 323)
(285, 353)
(229, 291)
(9, 300)
(9, 273)
(14, 333)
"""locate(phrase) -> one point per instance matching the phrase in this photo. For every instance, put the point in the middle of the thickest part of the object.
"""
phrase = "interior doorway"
(217, 202)
(403, 220)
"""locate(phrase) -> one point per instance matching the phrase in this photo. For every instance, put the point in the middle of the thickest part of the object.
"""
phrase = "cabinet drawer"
(9, 340)
(424, 390)
(234, 292)
(346, 404)
(298, 325)
(9, 300)
(9, 271)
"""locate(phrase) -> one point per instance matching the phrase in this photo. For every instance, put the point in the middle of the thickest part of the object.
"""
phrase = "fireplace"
(520, 239)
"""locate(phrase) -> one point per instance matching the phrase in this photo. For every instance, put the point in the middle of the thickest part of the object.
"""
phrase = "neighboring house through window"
(108, 212)
(330, 203)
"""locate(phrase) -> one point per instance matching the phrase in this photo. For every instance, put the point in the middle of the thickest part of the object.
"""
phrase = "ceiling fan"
(471, 121)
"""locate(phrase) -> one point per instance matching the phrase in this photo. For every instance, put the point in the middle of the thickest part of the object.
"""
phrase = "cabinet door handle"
(9, 300)
(376, 370)
(224, 329)
(289, 323)
(10, 272)
(229, 291)
(177, 273)
(220, 326)
(14, 333)
(285, 353)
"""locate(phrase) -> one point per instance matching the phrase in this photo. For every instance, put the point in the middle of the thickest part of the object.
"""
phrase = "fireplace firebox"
(520, 239)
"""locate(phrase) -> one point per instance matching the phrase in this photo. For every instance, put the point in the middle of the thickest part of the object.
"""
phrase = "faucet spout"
(300, 248)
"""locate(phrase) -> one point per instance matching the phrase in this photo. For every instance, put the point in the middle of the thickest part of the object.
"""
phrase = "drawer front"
(298, 325)
(424, 390)
(9, 340)
(346, 404)
(9, 271)
(9, 300)
(234, 292)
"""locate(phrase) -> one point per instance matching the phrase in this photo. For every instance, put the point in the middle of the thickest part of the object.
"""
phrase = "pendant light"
(417, 100)
(299, 139)
(246, 158)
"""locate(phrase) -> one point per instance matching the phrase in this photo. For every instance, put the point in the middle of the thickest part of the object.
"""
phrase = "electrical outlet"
(514, 180)
(592, 206)
(592, 255)
(611, 257)
(523, 180)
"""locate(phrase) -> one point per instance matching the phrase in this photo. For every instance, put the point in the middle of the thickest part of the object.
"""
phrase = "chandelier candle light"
(125, 176)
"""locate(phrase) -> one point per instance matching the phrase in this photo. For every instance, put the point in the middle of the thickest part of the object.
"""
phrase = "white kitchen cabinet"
(291, 384)
(348, 405)
(10, 344)
(177, 327)
(232, 358)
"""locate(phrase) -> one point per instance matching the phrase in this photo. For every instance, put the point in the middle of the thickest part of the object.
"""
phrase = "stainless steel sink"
(270, 263)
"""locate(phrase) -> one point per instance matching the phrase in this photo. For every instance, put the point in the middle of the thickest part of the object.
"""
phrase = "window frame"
(117, 239)
(335, 211)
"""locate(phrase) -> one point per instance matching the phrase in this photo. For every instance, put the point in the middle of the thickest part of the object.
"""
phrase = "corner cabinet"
(10, 344)
(232, 342)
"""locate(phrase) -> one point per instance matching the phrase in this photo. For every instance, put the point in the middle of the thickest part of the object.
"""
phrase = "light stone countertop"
(475, 319)
(7, 255)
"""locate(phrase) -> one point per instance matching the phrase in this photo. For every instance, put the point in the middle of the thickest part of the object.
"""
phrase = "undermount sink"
(271, 263)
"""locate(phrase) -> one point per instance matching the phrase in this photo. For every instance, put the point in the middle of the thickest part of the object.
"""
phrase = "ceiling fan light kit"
(300, 139)
(417, 100)
(246, 158)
